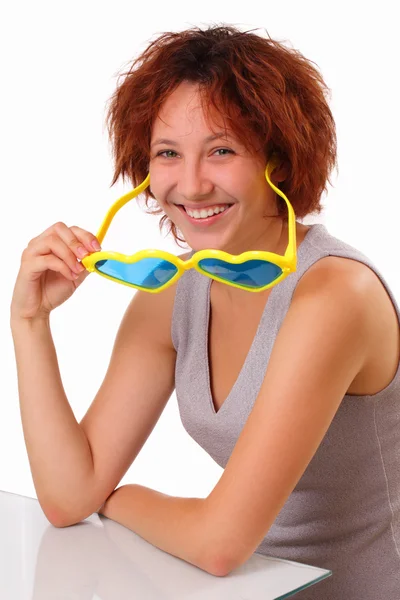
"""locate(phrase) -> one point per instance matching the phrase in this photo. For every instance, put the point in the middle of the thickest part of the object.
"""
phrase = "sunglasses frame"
(287, 262)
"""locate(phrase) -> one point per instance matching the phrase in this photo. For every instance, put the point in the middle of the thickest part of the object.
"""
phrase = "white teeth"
(202, 214)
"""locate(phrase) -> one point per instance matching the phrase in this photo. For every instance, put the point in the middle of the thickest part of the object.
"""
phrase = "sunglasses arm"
(290, 251)
(119, 204)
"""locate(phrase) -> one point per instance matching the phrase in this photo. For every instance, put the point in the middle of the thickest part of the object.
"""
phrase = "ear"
(279, 173)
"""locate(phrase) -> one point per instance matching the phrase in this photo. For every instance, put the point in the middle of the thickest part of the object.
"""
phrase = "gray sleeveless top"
(344, 513)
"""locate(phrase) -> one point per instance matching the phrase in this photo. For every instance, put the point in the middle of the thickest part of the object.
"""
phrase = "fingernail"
(96, 245)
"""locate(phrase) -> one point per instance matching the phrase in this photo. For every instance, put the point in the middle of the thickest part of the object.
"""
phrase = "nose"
(193, 184)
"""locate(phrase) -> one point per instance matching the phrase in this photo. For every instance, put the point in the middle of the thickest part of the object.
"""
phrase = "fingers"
(59, 242)
(54, 245)
(80, 241)
(72, 235)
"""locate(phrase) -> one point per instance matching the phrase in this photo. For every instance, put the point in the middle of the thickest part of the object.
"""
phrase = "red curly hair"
(270, 96)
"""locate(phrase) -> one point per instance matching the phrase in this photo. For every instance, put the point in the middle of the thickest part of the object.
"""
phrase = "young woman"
(293, 390)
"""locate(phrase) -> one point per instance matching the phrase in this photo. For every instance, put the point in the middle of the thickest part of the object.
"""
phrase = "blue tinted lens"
(251, 273)
(148, 273)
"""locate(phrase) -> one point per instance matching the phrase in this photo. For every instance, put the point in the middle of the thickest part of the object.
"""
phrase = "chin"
(202, 240)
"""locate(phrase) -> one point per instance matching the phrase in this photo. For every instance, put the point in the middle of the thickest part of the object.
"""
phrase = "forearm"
(58, 451)
(170, 523)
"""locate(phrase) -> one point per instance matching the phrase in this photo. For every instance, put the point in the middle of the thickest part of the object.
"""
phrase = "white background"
(59, 63)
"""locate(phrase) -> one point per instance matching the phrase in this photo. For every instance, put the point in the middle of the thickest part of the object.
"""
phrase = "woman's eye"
(224, 150)
(165, 152)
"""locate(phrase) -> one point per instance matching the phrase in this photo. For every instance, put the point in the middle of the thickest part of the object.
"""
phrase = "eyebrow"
(210, 138)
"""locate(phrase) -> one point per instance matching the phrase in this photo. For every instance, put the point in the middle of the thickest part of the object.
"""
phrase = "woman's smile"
(203, 221)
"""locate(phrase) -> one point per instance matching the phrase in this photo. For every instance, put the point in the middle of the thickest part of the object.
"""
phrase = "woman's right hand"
(50, 272)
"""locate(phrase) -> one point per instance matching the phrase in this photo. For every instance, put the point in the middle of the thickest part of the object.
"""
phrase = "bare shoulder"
(354, 280)
(163, 303)
(360, 287)
(351, 274)
(336, 268)
(336, 289)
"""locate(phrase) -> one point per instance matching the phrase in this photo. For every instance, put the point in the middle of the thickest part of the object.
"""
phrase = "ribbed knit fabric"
(344, 513)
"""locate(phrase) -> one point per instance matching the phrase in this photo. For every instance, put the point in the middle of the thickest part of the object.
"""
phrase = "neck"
(275, 242)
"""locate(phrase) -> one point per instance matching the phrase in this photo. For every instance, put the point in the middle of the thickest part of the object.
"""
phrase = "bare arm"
(137, 386)
(76, 466)
(58, 450)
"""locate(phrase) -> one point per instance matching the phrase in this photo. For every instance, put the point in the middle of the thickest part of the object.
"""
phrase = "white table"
(98, 559)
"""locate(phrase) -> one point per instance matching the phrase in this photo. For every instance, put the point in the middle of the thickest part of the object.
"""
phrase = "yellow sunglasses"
(155, 270)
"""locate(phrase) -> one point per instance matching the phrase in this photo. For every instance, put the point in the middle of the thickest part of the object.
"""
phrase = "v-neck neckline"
(245, 365)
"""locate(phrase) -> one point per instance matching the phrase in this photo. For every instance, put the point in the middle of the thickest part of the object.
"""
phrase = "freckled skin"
(196, 172)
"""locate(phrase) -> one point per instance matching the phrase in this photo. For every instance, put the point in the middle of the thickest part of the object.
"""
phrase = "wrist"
(21, 323)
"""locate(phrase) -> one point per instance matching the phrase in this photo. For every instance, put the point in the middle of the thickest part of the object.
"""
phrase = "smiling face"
(189, 166)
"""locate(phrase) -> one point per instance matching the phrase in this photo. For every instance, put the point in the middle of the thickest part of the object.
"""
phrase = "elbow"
(59, 517)
(60, 521)
(224, 566)
(61, 524)
(220, 566)
(222, 563)
(215, 556)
